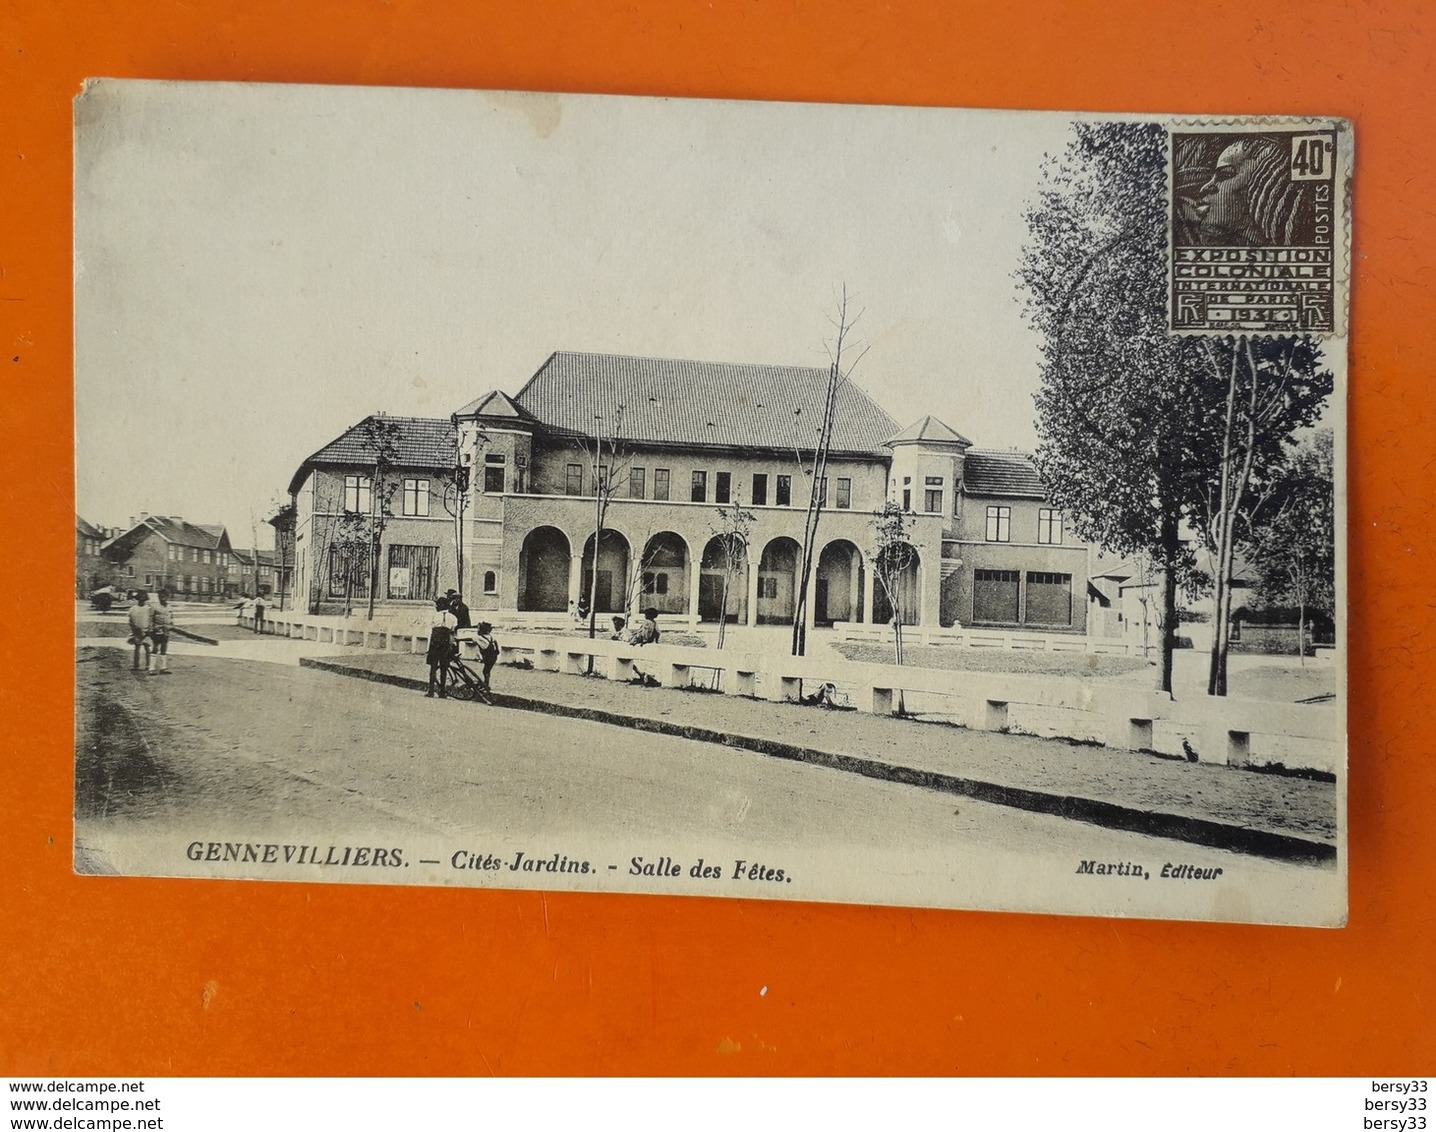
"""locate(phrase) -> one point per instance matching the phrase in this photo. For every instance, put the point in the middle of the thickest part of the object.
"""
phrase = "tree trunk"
(1171, 550)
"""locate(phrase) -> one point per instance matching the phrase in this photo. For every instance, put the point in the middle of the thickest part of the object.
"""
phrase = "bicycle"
(466, 684)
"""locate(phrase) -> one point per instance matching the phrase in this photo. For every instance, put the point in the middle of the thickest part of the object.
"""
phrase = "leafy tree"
(1144, 435)
(1295, 549)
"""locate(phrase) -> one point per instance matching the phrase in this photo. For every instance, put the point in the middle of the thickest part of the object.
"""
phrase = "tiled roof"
(494, 404)
(930, 430)
(88, 529)
(991, 472)
(422, 442)
(246, 557)
(171, 529)
(669, 401)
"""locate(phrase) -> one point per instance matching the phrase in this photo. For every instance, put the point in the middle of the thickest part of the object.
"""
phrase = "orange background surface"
(124, 976)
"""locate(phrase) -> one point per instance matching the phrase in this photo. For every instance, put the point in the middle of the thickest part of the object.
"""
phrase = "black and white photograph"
(927, 507)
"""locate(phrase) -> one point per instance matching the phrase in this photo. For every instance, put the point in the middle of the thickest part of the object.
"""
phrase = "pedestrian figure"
(460, 611)
(239, 610)
(161, 620)
(141, 619)
(259, 613)
(441, 648)
(618, 627)
(488, 650)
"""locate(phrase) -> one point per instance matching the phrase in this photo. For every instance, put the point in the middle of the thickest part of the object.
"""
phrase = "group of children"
(450, 616)
(150, 631)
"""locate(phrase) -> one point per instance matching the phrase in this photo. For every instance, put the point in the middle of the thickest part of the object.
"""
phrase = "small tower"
(495, 452)
(926, 474)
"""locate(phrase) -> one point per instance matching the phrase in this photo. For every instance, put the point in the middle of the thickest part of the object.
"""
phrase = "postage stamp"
(931, 507)
(1256, 228)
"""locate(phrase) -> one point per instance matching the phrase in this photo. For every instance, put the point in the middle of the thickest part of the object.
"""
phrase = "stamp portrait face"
(1253, 227)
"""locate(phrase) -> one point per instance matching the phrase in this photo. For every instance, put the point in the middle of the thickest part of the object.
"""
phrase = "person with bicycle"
(442, 648)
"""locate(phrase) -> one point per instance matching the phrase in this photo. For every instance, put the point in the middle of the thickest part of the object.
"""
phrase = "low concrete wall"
(1230, 731)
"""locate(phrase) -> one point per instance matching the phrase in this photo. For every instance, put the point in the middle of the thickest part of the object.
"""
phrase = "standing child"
(141, 620)
(161, 619)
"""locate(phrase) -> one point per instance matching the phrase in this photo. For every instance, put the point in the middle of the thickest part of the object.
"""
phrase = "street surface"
(237, 750)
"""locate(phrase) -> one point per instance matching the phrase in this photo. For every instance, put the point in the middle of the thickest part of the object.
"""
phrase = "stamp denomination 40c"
(1258, 231)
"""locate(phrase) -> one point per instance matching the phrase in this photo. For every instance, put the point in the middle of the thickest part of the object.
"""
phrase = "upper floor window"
(823, 491)
(356, 494)
(416, 497)
(575, 479)
(932, 495)
(1049, 526)
(845, 494)
(760, 489)
(785, 491)
(700, 487)
(660, 483)
(999, 524)
(637, 483)
(206, 558)
(493, 473)
(723, 487)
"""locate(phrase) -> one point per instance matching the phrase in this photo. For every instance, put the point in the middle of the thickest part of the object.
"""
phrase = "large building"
(164, 552)
(676, 446)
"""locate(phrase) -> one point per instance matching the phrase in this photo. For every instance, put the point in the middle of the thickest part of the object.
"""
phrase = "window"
(823, 491)
(604, 483)
(575, 479)
(760, 489)
(845, 494)
(349, 572)
(660, 483)
(494, 473)
(932, 495)
(149, 579)
(999, 524)
(637, 483)
(654, 583)
(723, 487)
(785, 491)
(491, 582)
(413, 573)
(1049, 526)
(700, 487)
(356, 494)
(416, 497)
(994, 596)
(206, 557)
(907, 499)
(1049, 598)
(768, 588)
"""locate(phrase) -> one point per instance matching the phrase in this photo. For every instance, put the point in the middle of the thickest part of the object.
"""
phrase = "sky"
(259, 267)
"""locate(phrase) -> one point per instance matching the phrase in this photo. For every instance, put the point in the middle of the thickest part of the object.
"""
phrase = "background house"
(91, 568)
(155, 552)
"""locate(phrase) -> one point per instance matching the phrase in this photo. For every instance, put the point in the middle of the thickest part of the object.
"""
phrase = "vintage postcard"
(924, 507)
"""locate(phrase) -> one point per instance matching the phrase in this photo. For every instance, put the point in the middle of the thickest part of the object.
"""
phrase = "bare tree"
(381, 437)
(816, 467)
(607, 457)
(893, 556)
(732, 531)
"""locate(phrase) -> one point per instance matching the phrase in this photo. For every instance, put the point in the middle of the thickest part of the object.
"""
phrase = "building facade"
(507, 497)
(164, 552)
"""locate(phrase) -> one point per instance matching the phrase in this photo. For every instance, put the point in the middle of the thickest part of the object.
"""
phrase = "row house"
(254, 572)
(165, 552)
(91, 569)
(678, 443)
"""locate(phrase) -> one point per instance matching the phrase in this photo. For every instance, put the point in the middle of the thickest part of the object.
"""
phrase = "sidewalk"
(1263, 814)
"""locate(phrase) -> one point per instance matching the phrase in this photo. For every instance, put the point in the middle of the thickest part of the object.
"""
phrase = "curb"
(200, 637)
(1111, 815)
